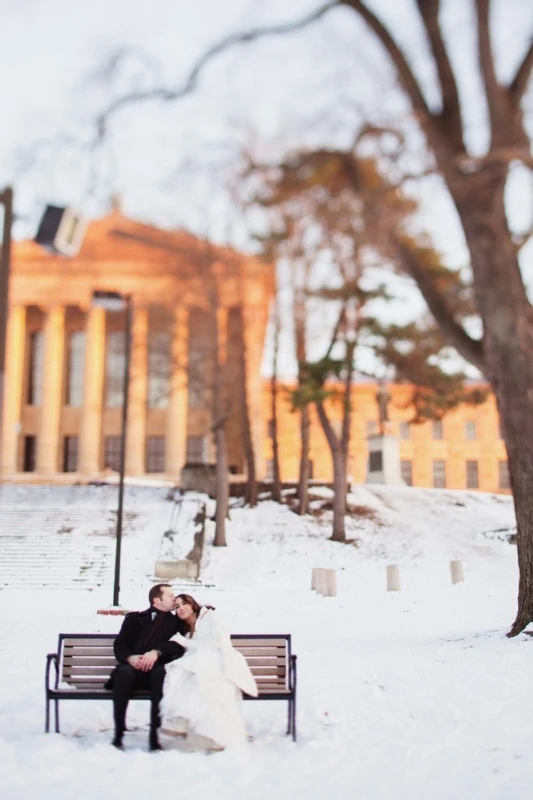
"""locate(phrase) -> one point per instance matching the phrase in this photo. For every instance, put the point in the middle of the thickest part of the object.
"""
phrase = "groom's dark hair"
(156, 591)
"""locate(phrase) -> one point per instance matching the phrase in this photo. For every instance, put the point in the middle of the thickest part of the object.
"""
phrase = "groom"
(142, 649)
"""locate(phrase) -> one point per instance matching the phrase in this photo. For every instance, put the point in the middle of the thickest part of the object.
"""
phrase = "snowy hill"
(414, 693)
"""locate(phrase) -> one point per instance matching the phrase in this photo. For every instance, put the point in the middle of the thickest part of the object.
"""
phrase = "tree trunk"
(249, 455)
(276, 482)
(218, 428)
(222, 487)
(339, 495)
(508, 350)
(303, 480)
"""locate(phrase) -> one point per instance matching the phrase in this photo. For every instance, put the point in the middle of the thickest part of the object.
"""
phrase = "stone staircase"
(63, 537)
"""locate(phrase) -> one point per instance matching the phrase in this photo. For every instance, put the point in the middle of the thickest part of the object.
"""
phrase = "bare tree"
(476, 185)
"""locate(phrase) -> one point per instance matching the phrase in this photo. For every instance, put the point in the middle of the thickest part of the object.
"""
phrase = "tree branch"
(469, 348)
(405, 74)
(451, 109)
(521, 79)
(170, 94)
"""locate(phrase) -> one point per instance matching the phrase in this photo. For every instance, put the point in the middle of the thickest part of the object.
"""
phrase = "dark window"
(375, 461)
(439, 474)
(35, 375)
(75, 368)
(29, 455)
(155, 454)
(112, 450)
(196, 450)
(311, 468)
(472, 478)
(470, 430)
(405, 430)
(270, 469)
(437, 429)
(158, 369)
(114, 369)
(200, 362)
(407, 472)
(70, 454)
(270, 428)
(503, 475)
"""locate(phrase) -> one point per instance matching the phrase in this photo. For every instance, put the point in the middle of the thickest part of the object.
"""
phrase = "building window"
(155, 454)
(270, 469)
(158, 369)
(270, 429)
(112, 450)
(70, 454)
(200, 373)
(405, 431)
(114, 369)
(472, 478)
(29, 454)
(407, 472)
(371, 427)
(375, 461)
(311, 469)
(437, 429)
(35, 375)
(503, 475)
(196, 447)
(439, 474)
(470, 430)
(75, 368)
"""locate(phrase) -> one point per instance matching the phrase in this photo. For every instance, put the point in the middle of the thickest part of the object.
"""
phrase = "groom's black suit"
(131, 641)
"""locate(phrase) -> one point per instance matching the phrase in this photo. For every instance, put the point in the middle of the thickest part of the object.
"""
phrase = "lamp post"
(114, 301)
(6, 198)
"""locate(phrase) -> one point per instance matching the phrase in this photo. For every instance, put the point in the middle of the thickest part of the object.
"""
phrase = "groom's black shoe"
(117, 741)
(153, 742)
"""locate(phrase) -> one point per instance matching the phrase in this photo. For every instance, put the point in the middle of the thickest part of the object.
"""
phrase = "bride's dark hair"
(187, 598)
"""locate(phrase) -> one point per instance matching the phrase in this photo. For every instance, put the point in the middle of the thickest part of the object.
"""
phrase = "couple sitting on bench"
(187, 663)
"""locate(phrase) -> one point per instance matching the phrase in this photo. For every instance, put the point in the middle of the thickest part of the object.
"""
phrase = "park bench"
(84, 661)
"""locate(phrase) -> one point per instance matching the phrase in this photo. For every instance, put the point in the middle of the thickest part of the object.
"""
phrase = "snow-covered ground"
(410, 694)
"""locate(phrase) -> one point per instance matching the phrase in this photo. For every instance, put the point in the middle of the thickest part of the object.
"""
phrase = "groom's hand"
(148, 660)
(134, 661)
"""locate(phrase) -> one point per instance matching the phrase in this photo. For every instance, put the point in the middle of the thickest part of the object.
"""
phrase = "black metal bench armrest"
(51, 658)
(292, 673)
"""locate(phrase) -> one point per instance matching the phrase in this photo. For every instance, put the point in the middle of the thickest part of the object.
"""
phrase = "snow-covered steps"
(64, 537)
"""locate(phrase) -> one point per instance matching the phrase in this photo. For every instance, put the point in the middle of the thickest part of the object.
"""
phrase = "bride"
(203, 689)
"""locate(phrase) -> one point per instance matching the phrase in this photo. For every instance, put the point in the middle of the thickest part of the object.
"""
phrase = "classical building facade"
(66, 353)
(65, 371)
(462, 451)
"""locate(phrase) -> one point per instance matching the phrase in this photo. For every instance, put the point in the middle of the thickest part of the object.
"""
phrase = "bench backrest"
(86, 659)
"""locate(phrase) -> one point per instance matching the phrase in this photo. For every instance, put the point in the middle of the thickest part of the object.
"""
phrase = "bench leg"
(294, 720)
(47, 716)
(57, 715)
(288, 717)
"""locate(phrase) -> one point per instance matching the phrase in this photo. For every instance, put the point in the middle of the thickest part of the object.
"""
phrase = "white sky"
(168, 162)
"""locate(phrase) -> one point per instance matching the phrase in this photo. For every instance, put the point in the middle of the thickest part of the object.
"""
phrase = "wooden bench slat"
(89, 671)
(273, 652)
(88, 661)
(89, 642)
(245, 642)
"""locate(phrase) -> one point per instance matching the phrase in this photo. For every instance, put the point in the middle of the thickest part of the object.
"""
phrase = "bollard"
(314, 573)
(393, 578)
(326, 582)
(457, 572)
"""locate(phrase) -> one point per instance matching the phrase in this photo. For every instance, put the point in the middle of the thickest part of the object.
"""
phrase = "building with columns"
(65, 367)
(65, 354)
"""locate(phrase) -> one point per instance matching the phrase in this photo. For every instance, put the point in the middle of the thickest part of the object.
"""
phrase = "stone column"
(93, 393)
(52, 399)
(176, 439)
(136, 430)
(14, 381)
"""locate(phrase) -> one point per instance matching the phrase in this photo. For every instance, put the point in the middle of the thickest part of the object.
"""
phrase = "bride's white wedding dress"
(203, 689)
